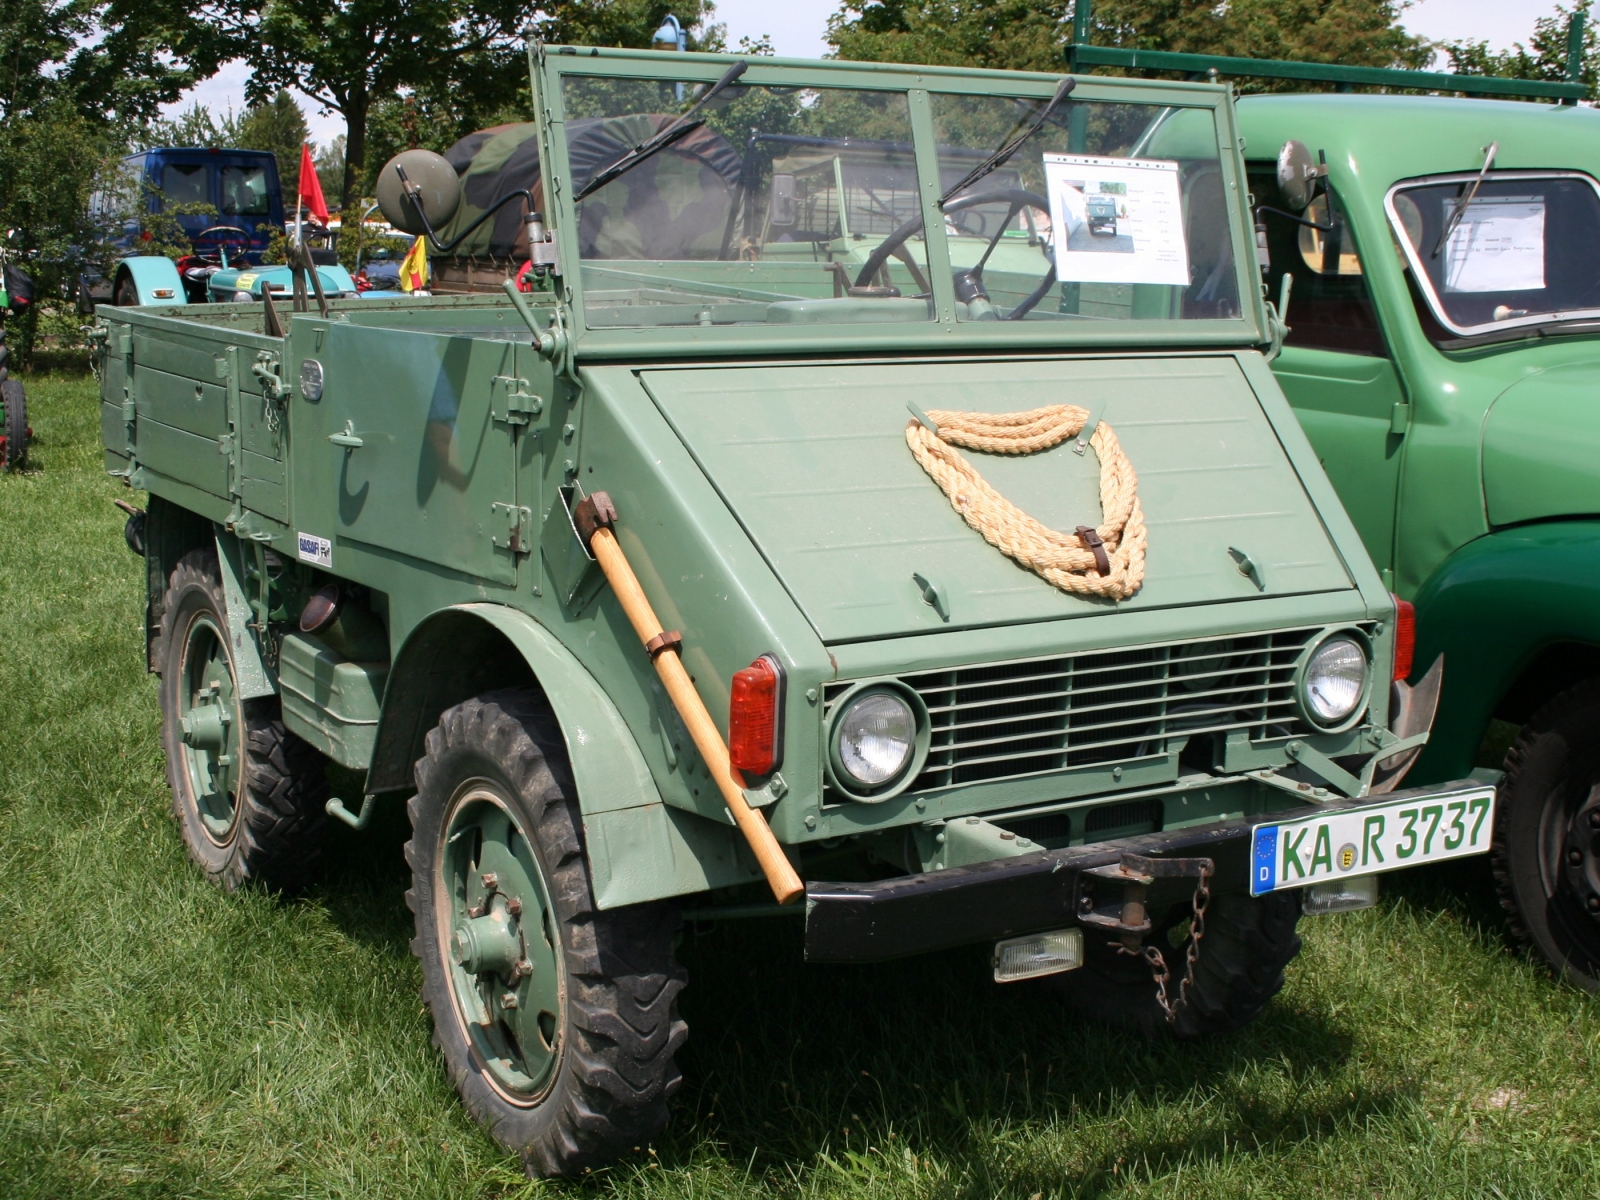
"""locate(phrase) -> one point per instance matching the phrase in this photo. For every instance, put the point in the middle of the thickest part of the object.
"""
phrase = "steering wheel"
(223, 235)
(969, 280)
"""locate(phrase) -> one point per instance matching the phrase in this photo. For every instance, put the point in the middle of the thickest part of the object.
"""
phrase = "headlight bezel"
(841, 780)
(1307, 713)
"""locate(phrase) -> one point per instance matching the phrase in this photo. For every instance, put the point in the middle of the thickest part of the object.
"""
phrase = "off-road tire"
(277, 834)
(16, 430)
(620, 1030)
(1550, 769)
(1248, 943)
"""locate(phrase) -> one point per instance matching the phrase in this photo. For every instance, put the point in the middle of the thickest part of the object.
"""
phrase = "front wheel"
(557, 1022)
(1546, 853)
(1248, 943)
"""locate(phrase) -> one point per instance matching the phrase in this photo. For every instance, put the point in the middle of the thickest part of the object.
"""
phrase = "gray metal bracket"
(250, 675)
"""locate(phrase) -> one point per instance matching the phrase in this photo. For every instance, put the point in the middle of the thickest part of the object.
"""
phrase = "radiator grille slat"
(1001, 721)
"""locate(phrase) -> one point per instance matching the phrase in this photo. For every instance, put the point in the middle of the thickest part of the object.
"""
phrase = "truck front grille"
(1011, 720)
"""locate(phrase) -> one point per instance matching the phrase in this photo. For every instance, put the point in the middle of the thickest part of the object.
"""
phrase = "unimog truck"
(923, 589)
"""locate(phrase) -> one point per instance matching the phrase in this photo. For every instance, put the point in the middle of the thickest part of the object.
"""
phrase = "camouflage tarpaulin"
(685, 195)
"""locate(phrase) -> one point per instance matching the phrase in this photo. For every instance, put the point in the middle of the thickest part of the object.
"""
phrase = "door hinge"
(1400, 417)
(514, 404)
(517, 535)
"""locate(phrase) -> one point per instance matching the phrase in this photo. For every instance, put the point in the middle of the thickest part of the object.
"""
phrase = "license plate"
(1373, 838)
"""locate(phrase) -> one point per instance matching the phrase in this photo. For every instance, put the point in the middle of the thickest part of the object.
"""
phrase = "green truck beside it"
(1444, 359)
(928, 590)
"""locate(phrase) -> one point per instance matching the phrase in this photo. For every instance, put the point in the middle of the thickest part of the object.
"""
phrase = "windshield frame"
(1493, 330)
(550, 65)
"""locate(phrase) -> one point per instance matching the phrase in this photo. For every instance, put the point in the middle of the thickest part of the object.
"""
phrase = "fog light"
(1038, 954)
(1344, 895)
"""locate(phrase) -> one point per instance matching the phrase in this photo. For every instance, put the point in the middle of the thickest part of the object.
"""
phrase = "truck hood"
(1541, 446)
(813, 462)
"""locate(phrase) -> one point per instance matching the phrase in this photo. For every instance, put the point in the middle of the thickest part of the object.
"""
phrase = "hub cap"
(209, 728)
(1580, 853)
(500, 946)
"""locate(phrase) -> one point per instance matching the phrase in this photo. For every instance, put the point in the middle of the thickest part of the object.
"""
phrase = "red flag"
(311, 186)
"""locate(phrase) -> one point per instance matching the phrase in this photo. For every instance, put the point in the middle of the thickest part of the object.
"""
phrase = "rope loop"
(1061, 559)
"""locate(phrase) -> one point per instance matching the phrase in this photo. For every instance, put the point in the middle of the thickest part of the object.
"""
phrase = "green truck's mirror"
(1297, 175)
(433, 184)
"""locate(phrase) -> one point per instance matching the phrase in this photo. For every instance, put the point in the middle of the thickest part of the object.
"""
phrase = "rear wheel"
(1248, 943)
(557, 1022)
(1547, 835)
(16, 424)
(247, 793)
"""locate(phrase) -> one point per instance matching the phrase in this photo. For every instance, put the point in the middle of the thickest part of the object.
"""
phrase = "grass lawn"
(158, 1038)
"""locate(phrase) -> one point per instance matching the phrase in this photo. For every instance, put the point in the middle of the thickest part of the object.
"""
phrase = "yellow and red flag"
(414, 270)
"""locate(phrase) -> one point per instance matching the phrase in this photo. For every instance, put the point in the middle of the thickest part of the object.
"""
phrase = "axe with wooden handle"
(592, 519)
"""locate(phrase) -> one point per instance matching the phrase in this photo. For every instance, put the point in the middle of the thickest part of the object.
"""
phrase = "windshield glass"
(1525, 250)
(244, 191)
(768, 211)
(1108, 211)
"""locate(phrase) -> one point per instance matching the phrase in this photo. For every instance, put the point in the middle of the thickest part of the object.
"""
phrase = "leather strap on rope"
(1103, 560)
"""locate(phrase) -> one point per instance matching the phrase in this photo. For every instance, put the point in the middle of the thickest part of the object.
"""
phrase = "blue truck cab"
(245, 199)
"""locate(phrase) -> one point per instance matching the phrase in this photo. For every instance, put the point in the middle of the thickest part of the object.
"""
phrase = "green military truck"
(968, 599)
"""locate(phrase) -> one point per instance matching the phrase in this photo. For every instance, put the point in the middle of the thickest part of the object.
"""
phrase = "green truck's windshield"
(1524, 251)
(796, 205)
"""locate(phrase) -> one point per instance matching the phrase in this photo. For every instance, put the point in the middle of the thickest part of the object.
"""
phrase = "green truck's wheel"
(247, 793)
(16, 424)
(1547, 835)
(558, 1022)
(1248, 944)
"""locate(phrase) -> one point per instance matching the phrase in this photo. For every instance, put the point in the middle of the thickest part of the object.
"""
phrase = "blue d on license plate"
(1372, 838)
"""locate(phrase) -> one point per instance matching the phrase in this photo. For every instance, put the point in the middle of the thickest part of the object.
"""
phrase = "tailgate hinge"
(518, 528)
(513, 403)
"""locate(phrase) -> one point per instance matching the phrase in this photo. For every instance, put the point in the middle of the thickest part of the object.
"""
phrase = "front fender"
(155, 278)
(638, 848)
(1491, 608)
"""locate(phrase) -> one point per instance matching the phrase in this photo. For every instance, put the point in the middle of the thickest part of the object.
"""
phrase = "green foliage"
(161, 1039)
(1032, 34)
(329, 161)
(1544, 57)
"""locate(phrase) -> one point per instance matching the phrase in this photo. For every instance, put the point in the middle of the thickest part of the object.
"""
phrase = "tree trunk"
(355, 146)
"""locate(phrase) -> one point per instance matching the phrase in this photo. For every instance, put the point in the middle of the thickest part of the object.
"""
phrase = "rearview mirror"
(1297, 175)
(782, 202)
(437, 187)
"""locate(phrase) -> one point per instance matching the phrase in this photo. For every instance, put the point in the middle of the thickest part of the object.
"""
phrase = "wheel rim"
(499, 945)
(1571, 870)
(209, 726)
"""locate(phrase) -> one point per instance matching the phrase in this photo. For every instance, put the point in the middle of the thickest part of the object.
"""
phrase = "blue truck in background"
(243, 202)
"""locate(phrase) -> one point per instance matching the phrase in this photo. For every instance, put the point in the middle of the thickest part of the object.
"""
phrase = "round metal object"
(1297, 174)
(847, 784)
(311, 380)
(438, 187)
(500, 943)
(209, 720)
(1582, 868)
(1305, 709)
(321, 609)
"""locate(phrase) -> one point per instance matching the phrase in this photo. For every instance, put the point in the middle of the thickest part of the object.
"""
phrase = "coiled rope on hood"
(1067, 560)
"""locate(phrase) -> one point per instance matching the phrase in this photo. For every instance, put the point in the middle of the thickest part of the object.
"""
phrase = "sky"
(796, 28)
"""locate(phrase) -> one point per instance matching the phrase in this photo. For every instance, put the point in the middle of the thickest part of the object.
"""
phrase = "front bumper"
(984, 902)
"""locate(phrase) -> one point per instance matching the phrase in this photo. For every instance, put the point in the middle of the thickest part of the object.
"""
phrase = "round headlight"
(1335, 680)
(875, 739)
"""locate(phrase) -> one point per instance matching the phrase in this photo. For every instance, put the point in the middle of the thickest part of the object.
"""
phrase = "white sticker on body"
(1116, 220)
(316, 550)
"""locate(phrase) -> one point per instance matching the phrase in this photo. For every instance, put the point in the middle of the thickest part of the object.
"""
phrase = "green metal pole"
(1575, 50)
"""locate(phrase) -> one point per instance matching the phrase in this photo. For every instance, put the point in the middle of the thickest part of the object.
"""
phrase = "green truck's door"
(409, 456)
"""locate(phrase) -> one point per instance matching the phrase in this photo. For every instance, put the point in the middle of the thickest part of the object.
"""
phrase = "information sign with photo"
(1117, 220)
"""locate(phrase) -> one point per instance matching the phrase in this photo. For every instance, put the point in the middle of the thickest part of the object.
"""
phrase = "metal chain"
(1158, 964)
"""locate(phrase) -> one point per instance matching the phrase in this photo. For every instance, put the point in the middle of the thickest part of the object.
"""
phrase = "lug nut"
(509, 1000)
(1575, 857)
(514, 907)
(523, 969)
(491, 880)
(1593, 904)
(1594, 817)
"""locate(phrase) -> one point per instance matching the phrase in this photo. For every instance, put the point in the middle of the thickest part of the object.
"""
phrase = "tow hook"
(1127, 915)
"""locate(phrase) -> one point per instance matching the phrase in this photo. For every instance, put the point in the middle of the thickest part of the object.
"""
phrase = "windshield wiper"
(664, 138)
(1002, 155)
(1460, 209)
